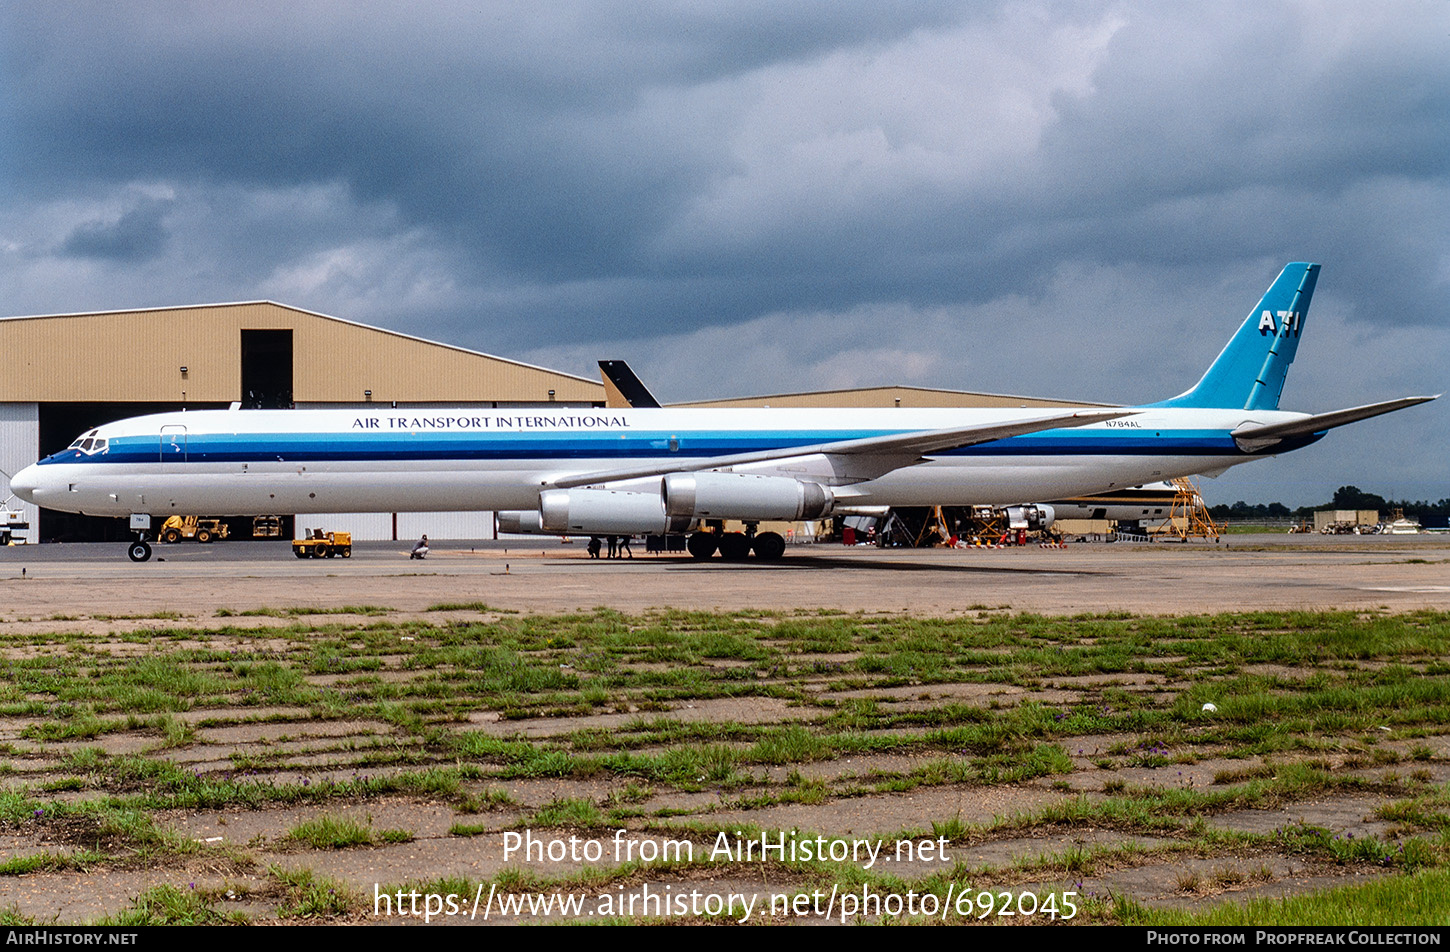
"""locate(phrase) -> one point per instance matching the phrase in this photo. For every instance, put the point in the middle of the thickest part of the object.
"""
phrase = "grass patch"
(298, 611)
(1420, 898)
(332, 833)
(172, 906)
(306, 895)
(569, 812)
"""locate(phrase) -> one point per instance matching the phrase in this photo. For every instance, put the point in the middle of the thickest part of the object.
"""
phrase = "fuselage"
(255, 462)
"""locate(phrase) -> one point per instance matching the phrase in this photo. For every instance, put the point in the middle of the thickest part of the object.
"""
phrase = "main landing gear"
(737, 546)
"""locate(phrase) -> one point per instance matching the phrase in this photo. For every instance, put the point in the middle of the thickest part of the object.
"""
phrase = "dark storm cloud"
(559, 147)
(1288, 126)
(138, 235)
(516, 135)
(601, 171)
(582, 141)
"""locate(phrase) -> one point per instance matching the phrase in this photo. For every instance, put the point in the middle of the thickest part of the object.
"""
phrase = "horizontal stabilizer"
(913, 444)
(1251, 438)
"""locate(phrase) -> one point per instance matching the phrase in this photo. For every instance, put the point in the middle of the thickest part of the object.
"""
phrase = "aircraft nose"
(26, 484)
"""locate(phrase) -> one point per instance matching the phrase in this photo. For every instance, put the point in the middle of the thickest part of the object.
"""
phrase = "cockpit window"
(89, 443)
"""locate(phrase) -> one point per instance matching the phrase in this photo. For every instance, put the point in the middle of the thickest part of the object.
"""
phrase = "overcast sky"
(1057, 199)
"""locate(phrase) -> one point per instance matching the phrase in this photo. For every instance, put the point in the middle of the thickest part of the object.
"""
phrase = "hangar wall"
(403, 526)
(891, 396)
(19, 437)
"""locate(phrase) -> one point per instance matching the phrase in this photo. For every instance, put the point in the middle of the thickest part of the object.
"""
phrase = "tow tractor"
(323, 545)
(202, 530)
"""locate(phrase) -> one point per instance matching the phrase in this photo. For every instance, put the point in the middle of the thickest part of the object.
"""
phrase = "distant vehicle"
(267, 527)
(323, 545)
(1399, 525)
(13, 524)
(654, 471)
(176, 528)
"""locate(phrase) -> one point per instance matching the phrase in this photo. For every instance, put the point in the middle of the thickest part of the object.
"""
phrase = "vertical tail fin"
(623, 388)
(1250, 372)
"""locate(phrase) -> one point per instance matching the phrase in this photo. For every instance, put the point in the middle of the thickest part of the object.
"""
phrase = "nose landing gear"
(140, 550)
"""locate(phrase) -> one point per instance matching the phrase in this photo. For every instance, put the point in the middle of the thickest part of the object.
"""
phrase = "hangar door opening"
(267, 369)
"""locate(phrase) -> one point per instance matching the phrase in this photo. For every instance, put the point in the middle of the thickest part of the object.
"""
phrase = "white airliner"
(634, 471)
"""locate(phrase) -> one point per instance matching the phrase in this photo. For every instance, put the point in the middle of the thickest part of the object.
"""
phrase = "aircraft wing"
(906, 447)
(1251, 438)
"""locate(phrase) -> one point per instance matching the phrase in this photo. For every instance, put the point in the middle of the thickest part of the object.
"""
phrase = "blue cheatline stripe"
(633, 446)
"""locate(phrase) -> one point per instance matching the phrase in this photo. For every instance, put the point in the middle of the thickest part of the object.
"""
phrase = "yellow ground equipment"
(1189, 516)
(267, 527)
(192, 527)
(323, 545)
(12, 524)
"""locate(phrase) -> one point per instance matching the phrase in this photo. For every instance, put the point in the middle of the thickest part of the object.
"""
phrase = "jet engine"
(744, 497)
(603, 512)
(518, 521)
(1035, 517)
(684, 499)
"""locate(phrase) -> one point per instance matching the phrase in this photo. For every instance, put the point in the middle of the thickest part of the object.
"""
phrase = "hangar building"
(67, 373)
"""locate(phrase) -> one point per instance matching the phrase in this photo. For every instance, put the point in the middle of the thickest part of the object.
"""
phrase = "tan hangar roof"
(137, 355)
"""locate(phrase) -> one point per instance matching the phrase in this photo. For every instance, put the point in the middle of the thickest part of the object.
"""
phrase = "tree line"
(1345, 497)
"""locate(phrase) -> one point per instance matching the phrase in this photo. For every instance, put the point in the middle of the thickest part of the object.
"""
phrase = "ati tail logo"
(1289, 322)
